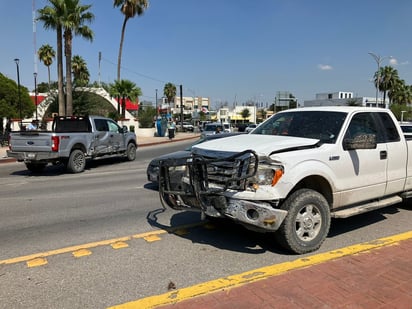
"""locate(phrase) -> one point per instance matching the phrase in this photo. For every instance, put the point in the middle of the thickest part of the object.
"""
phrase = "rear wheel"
(76, 162)
(307, 223)
(131, 152)
(36, 167)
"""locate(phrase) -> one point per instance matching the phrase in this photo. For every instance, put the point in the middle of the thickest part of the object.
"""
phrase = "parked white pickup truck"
(71, 141)
(294, 172)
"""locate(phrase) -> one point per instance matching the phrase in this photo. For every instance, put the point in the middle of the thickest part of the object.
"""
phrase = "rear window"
(71, 124)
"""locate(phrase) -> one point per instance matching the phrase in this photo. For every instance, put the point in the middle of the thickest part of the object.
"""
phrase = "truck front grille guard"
(206, 176)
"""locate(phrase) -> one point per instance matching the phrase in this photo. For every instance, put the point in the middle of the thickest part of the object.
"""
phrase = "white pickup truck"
(294, 172)
(71, 141)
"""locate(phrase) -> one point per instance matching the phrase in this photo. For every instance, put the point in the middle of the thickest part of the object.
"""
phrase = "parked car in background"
(212, 128)
(406, 128)
(250, 127)
(227, 127)
(153, 167)
(241, 127)
(187, 127)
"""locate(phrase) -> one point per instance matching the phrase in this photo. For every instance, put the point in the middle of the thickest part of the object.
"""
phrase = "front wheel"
(307, 222)
(76, 162)
(131, 152)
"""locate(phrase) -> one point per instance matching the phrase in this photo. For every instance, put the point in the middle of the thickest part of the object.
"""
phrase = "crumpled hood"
(263, 145)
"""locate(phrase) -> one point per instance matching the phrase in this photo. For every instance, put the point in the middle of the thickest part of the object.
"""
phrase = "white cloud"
(393, 61)
(325, 67)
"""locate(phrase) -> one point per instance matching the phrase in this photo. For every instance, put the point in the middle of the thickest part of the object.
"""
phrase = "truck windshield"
(322, 125)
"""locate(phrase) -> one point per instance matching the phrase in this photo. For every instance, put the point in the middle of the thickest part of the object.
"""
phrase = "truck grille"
(210, 175)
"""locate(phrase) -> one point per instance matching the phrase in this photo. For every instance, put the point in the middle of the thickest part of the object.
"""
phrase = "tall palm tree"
(50, 16)
(400, 93)
(129, 8)
(169, 91)
(74, 22)
(81, 75)
(385, 79)
(46, 55)
(125, 89)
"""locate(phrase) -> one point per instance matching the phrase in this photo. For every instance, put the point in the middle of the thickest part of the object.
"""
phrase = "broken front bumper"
(203, 184)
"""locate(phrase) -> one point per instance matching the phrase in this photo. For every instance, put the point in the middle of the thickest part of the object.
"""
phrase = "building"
(192, 106)
(342, 98)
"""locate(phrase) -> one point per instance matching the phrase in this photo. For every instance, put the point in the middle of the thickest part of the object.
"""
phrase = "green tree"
(169, 92)
(50, 16)
(400, 93)
(146, 116)
(245, 113)
(124, 89)
(385, 79)
(74, 21)
(353, 102)
(11, 101)
(81, 75)
(46, 55)
(129, 8)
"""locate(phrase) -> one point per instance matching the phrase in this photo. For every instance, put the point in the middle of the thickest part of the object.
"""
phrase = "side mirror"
(361, 141)
(125, 129)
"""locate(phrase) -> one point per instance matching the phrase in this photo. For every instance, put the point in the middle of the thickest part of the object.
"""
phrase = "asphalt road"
(102, 238)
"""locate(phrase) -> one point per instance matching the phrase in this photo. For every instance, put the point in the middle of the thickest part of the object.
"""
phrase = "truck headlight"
(266, 176)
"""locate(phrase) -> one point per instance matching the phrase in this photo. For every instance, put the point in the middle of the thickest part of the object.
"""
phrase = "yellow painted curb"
(258, 274)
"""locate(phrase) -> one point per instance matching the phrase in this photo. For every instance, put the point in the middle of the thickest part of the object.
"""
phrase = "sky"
(231, 51)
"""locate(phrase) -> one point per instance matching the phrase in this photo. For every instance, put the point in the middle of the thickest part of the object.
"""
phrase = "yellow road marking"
(152, 238)
(81, 252)
(119, 245)
(37, 262)
(257, 274)
(95, 244)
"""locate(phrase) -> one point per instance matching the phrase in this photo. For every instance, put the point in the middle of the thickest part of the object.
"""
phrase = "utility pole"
(181, 106)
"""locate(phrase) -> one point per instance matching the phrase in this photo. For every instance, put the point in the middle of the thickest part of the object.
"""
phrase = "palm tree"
(50, 16)
(46, 55)
(169, 92)
(385, 79)
(400, 93)
(74, 22)
(124, 89)
(66, 17)
(81, 75)
(129, 8)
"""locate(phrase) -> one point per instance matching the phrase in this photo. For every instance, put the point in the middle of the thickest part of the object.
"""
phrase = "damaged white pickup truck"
(295, 172)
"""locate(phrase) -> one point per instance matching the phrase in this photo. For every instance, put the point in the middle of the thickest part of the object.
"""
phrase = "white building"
(342, 98)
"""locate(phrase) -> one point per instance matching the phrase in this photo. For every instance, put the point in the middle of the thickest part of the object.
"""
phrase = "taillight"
(55, 143)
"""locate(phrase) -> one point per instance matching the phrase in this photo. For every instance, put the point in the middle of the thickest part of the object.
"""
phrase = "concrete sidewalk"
(142, 141)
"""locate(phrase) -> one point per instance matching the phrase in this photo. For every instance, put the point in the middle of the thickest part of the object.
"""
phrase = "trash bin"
(171, 132)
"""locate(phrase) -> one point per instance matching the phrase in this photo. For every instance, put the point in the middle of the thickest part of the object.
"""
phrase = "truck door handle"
(383, 155)
(111, 135)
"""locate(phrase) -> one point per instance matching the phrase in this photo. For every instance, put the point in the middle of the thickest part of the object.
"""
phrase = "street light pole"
(378, 60)
(17, 60)
(35, 91)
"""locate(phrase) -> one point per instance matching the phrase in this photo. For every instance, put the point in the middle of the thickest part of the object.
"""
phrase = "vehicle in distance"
(250, 127)
(295, 172)
(152, 170)
(406, 129)
(187, 127)
(212, 128)
(227, 127)
(71, 141)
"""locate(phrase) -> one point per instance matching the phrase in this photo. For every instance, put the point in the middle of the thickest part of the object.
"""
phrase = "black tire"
(307, 223)
(76, 162)
(131, 152)
(36, 167)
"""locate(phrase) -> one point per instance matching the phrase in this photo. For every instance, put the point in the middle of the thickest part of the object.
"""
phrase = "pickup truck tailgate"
(31, 141)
